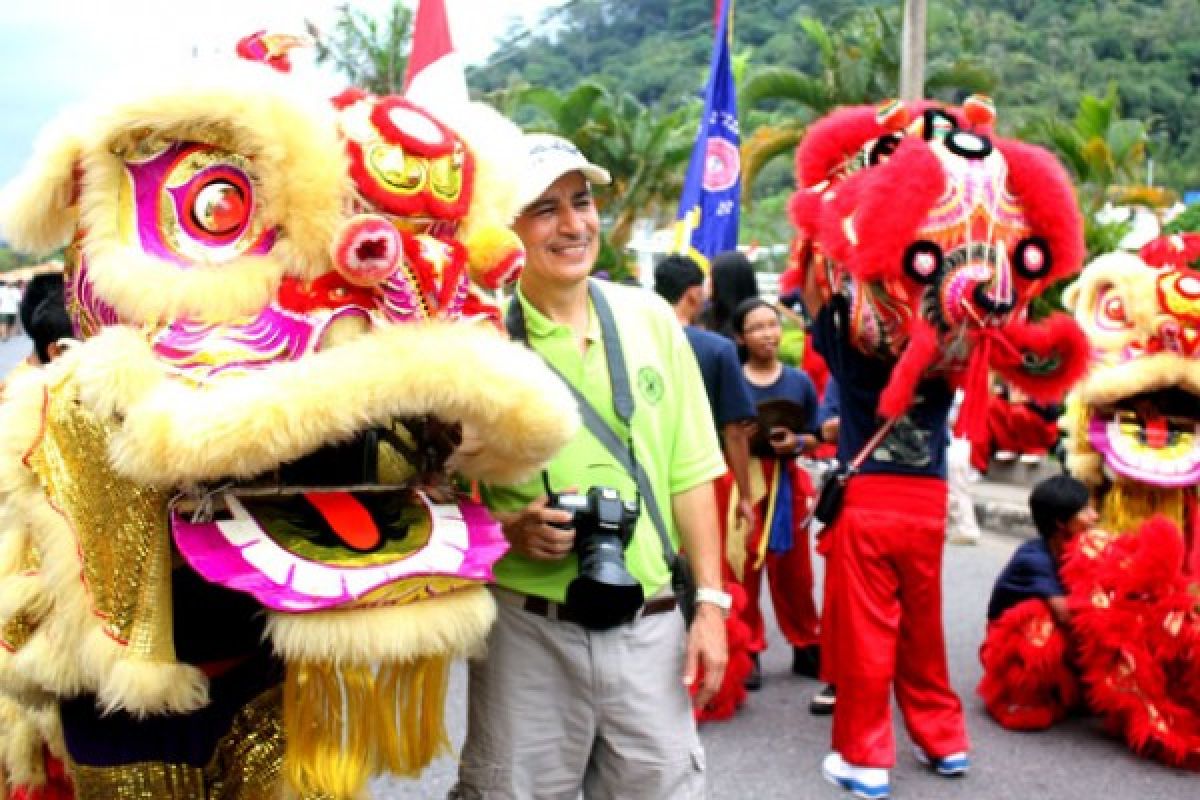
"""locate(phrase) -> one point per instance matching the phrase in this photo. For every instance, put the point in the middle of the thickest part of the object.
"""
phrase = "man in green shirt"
(556, 708)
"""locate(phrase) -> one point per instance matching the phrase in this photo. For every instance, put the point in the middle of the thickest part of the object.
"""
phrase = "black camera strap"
(623, 404)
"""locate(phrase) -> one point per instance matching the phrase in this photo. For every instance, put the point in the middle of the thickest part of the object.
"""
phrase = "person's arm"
(532, 531)
(695, 512)
(1059, 610)
(736, 438)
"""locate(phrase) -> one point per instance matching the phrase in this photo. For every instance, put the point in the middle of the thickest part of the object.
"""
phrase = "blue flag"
(707, 222)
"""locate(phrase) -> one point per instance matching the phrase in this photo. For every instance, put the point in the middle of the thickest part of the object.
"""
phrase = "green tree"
(372, 55)
(1099, 146)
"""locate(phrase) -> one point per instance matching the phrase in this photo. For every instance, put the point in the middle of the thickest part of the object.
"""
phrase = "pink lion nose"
(367, 250)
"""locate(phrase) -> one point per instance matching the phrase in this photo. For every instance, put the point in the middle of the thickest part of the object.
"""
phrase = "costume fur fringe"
(344, 723)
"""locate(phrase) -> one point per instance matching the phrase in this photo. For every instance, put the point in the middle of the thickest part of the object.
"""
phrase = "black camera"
(604, 595)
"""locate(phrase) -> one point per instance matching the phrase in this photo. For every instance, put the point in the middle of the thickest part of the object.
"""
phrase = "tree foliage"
(372, 54)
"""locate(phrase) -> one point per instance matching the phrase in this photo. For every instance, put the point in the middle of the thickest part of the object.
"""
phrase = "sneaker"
(1005, 455)
(806, 661)
(1031, 459)
(868, 782)
(753, 681)
(823, 701)
(951, 766)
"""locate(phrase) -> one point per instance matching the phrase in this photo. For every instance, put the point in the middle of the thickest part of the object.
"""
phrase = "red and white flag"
(435, 73)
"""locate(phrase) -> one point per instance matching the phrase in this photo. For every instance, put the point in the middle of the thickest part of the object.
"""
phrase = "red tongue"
(347, 518)
(1156, 431)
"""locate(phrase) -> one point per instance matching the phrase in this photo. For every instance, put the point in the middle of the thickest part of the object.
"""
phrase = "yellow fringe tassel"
(344, 723)
(410, 701)
(1125, 506)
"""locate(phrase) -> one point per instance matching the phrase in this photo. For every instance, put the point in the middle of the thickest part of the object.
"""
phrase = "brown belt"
(552, 610)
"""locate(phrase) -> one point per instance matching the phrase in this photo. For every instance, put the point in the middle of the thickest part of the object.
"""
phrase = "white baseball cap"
(549, 157)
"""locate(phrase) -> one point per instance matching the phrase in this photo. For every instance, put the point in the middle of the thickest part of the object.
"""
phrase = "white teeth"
(443, 554)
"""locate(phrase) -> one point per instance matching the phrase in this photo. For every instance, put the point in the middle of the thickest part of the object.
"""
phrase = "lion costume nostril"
(367, 250)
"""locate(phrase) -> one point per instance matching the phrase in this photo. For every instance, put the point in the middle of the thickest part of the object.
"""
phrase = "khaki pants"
(554, 710)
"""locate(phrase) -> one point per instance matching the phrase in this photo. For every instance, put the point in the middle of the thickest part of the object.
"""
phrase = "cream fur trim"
(36, 215)
(453, 624)
(240, 426)
(1108, 384)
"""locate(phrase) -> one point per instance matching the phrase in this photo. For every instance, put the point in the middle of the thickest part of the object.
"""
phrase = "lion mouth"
(1153, 438)
(369, 521)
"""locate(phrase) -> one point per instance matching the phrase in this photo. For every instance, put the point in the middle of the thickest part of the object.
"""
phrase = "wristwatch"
(716, 597)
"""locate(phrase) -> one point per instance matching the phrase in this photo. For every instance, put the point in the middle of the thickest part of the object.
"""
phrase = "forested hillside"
(1042, 55)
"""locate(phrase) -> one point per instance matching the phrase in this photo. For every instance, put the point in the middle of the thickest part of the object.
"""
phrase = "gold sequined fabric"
(120, 527)
(246, 766)
(21, 626)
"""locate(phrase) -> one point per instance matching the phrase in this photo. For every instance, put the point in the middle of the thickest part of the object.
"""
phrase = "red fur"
(1026, 683)
(1058, 335)
(833, 139)
(834, 207)
(1178, 250)
(891, 204)
(1042, 185)
(1137, 628)
(804, 210)
(918, 355)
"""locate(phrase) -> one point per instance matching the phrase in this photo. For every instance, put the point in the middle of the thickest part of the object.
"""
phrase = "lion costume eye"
(1110, 310)
(219, 208)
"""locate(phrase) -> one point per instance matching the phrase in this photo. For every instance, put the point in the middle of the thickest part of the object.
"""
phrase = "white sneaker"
(1005, 455)
(1031, 459)
(951, 766)
(867, 782)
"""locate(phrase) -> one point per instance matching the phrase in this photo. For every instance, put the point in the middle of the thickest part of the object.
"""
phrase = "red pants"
(789, 575)
(883, 620)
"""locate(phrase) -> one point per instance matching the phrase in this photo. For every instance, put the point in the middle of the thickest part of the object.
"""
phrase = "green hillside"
(1043, 56)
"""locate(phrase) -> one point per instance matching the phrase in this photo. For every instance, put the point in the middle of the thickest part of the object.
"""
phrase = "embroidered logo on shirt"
(650, 382)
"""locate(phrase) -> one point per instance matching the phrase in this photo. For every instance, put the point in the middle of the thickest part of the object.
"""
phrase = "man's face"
(560, 232)
(1085, 519)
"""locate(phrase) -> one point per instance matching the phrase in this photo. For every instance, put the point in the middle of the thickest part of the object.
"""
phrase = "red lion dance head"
(938, 234)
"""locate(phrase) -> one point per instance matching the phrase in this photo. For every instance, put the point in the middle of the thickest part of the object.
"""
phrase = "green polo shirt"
(674, 437)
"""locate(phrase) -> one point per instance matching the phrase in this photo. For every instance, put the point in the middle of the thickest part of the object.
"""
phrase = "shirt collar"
(538, 325)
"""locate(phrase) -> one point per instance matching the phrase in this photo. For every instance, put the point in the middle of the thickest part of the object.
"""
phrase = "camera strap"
(623, 404)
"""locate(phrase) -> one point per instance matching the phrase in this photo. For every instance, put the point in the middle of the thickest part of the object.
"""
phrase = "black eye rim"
(214, 181)
(956, 141)
(910, 256)
(1018, 258)
(882, 148)
(931, 116)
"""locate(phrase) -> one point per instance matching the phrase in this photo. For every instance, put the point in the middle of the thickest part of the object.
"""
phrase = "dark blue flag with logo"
(707, 222)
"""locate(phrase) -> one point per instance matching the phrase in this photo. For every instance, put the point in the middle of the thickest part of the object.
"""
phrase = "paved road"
(772, 749)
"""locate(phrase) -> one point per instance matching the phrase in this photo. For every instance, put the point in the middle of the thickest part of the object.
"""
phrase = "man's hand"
(532, 532)
(706, 647)
(783, 441)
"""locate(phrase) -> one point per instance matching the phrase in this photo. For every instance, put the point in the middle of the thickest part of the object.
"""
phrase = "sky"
(57, 52)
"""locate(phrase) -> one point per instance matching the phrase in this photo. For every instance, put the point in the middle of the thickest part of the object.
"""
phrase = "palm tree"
(646, 151)
(1099, 147)
(860, 63)
(371, 56)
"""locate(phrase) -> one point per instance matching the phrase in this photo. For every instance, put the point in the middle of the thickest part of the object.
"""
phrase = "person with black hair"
(733, 281)
(1062, 509)
(783, 490)
(680, 281)
(1030, 675)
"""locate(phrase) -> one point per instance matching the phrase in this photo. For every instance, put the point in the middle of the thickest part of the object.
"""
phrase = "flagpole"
(707, 219)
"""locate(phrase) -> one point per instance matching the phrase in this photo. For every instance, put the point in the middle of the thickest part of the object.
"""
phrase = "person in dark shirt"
(782, 492)
(1061, 508)
(882, 621)
(680, 281)
(1029, 677)
(733, 281)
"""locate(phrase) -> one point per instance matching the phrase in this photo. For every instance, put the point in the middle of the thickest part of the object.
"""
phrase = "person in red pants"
(882, 623)
(778, 543)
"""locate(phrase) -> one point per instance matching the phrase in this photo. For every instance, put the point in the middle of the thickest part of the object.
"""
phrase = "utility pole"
(912, 51)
